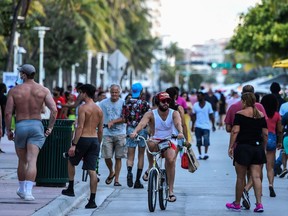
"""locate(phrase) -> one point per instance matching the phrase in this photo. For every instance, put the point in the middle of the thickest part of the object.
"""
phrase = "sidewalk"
(12, 205)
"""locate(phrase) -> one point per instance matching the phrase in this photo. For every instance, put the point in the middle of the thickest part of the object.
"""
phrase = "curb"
(64, 204)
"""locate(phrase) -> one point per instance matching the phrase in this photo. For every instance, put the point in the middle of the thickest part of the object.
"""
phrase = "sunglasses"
(168, 100)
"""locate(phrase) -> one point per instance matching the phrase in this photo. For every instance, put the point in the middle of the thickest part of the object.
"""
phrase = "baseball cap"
(136, 90)
(247, 88)
(27, 69)
(163, 95)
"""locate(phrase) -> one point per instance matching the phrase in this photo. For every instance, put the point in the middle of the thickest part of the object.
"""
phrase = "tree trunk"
(9, 66)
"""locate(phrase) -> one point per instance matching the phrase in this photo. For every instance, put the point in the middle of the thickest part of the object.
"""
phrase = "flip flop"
(172, 198)
(145, 176)
(117, 184)
(109, 179)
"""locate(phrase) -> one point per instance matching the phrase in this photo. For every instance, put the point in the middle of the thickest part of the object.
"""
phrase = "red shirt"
(272, 122)
(234, 108)
(58, 101)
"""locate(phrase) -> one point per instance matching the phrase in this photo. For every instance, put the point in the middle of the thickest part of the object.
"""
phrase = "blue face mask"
(19, 81)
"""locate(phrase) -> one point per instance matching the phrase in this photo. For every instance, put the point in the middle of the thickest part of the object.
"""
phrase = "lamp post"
(73, 73)
(41, 34)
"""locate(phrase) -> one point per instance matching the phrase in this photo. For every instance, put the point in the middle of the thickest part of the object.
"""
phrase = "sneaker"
(284, 172)
(277, 169)
(234, 207)
(1, 151)
(67, 192)
(272, 192)
(138, 184)
(130, 179)
(246, 201)
(200, 157)
(20, 194)
(259, 208)
(90, 205)
(29, 197)
(205, 157)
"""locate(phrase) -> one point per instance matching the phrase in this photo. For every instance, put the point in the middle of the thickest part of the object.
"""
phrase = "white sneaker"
(29, 197)
(20, 194)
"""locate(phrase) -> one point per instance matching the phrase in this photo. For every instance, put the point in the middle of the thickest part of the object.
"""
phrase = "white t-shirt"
(202, 115)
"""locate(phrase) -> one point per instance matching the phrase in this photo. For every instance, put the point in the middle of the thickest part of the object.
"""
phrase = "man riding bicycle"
(163, 122)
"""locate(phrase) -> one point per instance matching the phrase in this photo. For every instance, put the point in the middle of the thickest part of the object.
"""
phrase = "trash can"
(51, 165)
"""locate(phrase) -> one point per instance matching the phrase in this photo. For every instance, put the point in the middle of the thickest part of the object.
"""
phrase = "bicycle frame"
(157, 177)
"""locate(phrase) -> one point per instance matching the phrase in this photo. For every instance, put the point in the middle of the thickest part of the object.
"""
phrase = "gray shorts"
(114, 144)
(29, 132)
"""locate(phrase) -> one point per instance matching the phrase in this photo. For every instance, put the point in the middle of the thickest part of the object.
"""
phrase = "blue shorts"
(29, 132)
(205, 133)
(133, 143)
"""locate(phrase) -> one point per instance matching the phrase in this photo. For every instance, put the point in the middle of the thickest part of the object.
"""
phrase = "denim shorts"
(205, 133)
(133, 143)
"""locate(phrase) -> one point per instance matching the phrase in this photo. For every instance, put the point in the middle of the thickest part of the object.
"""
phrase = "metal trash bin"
(52, 168)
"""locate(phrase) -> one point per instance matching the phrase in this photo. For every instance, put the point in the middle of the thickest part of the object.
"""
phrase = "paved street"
(204, 192)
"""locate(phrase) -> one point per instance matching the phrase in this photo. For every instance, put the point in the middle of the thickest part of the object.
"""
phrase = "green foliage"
(79, 25)
(263, 31)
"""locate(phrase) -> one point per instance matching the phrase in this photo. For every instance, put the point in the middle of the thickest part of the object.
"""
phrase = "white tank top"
(163, 129)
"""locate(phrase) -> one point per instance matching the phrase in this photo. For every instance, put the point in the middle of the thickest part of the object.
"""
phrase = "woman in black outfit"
(250, 133)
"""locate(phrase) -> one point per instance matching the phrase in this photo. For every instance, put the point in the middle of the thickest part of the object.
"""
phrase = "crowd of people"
(107, 123)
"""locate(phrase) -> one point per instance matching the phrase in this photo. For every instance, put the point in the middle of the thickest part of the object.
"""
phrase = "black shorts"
(246, 155)
(87, 149)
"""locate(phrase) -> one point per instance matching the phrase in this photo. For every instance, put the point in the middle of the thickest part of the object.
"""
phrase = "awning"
(281, 64)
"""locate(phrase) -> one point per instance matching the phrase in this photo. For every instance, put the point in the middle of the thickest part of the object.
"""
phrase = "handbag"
(185, 160)
(193, 162)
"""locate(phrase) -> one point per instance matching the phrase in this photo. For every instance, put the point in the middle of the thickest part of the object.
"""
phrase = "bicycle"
(157, 180)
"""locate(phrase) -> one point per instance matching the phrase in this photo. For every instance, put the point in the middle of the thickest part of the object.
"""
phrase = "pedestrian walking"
(275, 136)
(163, 121)
(202, 114)
(250, 133)
(86, 142)
(27, 100)
(132, 113)
(229, 121)
(3, 100)
(173, 94)
(114, 134)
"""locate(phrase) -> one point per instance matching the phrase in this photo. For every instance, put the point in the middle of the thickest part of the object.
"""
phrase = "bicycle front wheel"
(152, 190)
(163, 190)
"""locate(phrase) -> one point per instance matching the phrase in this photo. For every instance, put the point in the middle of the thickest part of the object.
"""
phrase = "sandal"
(172, 198)
(109, 179)
(145, 176)
(117, 184)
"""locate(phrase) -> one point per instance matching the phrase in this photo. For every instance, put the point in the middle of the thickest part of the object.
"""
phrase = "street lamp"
(41, 34)
(73, 73)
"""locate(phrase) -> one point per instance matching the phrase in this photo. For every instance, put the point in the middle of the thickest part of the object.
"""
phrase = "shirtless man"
(86, 142)
(27, 100)
(163, 122)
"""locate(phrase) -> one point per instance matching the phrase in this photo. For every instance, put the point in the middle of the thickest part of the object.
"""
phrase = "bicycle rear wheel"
(163, 190)
(152, 190)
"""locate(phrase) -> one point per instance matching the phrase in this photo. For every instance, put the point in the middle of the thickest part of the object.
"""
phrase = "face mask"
(19, 81)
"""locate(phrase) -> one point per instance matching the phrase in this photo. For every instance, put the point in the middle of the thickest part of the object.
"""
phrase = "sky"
(190, 22)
